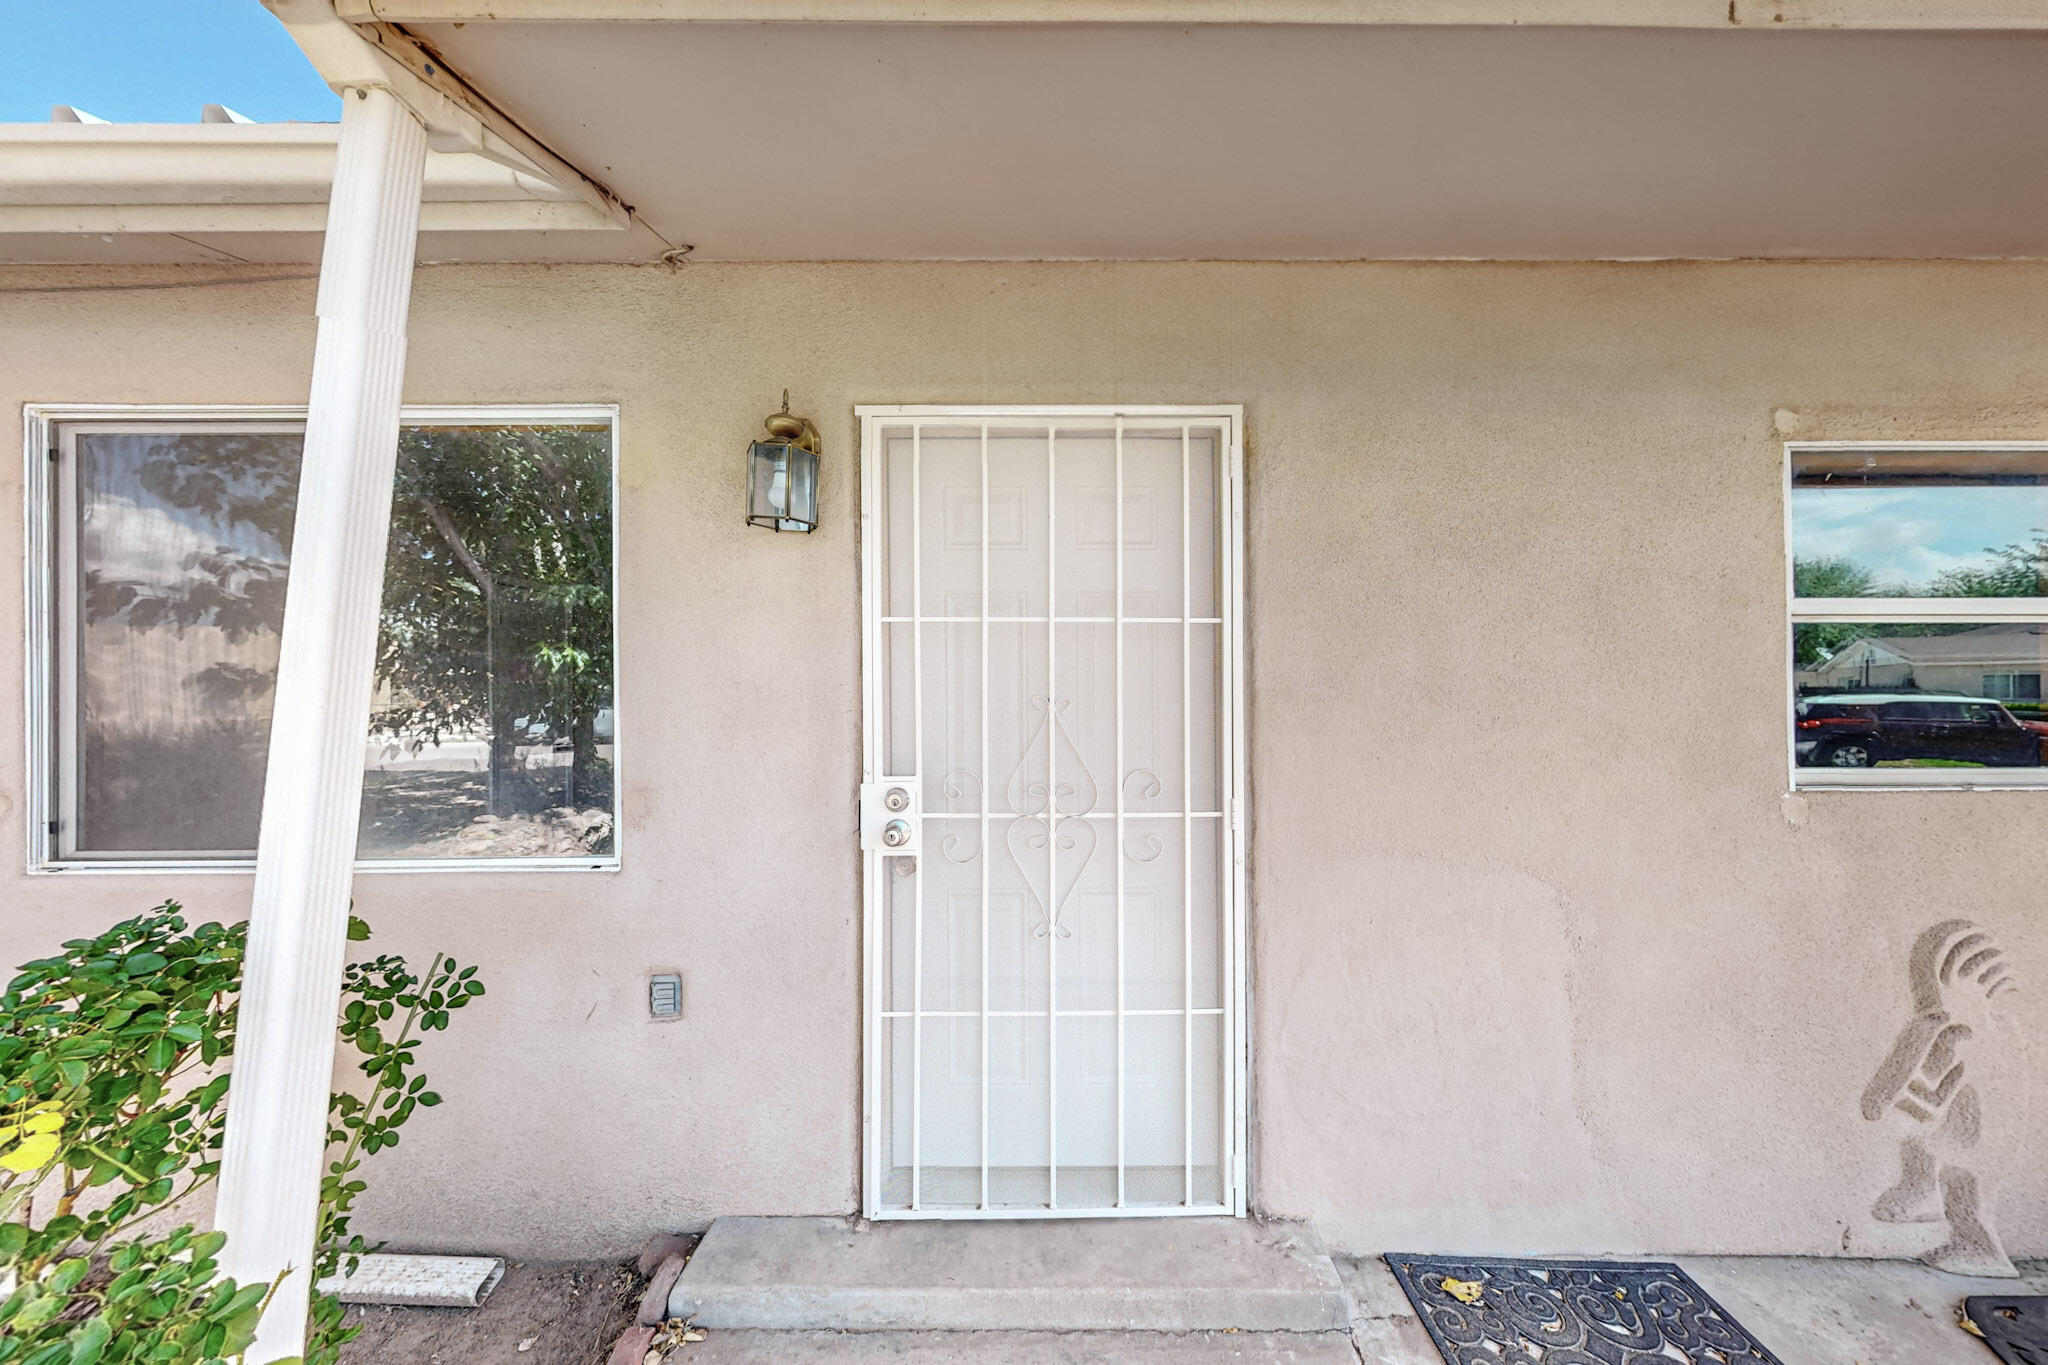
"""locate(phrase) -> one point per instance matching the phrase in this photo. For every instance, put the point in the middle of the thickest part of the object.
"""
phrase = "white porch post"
(298, 922)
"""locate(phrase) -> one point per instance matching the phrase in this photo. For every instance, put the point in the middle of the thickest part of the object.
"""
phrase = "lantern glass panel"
(782, 487)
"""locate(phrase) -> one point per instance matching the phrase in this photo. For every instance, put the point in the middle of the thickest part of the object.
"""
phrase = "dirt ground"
(541, 1313)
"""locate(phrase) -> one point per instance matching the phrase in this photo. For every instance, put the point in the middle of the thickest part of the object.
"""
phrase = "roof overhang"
(1782, 14)
(457, 118)
(1271, 141)
(1136, 129)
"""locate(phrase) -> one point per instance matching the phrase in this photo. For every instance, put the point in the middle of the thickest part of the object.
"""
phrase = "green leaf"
(38, 1312)
(90, 1341)
(358, 929)
(66, 1276)
(246, 1297)
(142, 964)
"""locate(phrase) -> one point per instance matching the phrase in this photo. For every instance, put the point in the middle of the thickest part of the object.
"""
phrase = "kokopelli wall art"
(1930, 1093)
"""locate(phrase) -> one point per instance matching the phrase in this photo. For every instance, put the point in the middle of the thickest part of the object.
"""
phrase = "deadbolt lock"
(890, 816)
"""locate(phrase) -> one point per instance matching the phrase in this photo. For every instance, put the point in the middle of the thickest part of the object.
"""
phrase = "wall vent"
(665, 995)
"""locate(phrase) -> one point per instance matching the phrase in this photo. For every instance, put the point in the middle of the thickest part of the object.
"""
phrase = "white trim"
(973, 414)
(1234, 1097)
(1901, 610)
(42, 575)
(1877, 610)
(964, 1214)
(246, 177)
(1943, 779)
(1765, 15)
(1237, 1026)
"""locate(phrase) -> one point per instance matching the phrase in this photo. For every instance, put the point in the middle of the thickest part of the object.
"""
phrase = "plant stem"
(384, 1082)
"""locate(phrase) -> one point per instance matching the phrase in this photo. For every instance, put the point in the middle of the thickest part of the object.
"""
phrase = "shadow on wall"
(1956, 976)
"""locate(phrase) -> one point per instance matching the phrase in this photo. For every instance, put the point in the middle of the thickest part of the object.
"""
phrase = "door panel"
(1050, 813)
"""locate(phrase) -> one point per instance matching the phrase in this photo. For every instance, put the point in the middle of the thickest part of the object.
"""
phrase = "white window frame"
(1901, 610)
(45, 707)
(1231, 555)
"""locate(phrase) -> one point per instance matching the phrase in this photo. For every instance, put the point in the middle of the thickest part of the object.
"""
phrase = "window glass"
(1919, 608)
(182, 541)
(2013, 686)
(491, 730)
(1919, 523)
(1904, 696)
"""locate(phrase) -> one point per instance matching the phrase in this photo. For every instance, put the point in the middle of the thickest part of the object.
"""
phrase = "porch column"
(298, 920)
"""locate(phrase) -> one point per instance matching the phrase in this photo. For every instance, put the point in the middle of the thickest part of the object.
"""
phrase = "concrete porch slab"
(1174, 1275)
(1384, 1328)
(1817, 1311)
(1807, 1310)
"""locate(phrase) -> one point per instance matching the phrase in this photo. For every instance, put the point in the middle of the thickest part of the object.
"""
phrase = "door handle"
(889, 815)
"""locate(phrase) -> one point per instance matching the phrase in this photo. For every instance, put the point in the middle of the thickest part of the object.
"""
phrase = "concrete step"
(1173, 1275)
(746, 1347)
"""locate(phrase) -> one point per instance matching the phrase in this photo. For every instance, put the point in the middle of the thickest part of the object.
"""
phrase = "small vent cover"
(665, 995)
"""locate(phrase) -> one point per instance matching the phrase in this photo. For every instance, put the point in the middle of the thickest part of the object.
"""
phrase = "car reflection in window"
(1915, 729)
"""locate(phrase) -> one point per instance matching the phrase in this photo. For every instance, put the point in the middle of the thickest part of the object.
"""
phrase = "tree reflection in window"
(491, 728)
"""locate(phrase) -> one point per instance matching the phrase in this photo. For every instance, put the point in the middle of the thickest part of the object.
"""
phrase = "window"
(1919, 615)
(165, 549)
(2013, 686)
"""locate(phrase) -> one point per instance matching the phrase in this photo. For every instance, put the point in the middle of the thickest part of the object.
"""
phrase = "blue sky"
(154, 61)
(1906, 536)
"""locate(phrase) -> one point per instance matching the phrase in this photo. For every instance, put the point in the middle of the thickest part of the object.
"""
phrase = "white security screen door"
(1051, 812)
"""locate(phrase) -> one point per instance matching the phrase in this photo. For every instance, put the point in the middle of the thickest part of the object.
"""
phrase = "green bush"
(110, 1110)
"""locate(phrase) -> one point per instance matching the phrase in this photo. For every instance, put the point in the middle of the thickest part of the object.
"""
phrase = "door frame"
(1232, 743)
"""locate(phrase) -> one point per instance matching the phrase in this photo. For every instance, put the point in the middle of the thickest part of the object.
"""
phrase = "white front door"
(1052, 812)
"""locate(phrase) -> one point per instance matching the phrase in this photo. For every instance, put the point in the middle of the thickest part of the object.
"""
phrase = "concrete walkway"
(1807, 1310)
(1176, 1291)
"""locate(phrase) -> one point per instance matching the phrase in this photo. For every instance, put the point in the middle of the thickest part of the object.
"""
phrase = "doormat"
(1481, 1309)
(2014, 1326)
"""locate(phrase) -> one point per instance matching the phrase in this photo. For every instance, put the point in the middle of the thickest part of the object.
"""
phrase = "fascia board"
(572, 215)
(195, 177)
(1930, 15)
(214, 163)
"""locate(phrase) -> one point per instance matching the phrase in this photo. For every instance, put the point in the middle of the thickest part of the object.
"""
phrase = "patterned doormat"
(2014, 1326)
(1488, 1311)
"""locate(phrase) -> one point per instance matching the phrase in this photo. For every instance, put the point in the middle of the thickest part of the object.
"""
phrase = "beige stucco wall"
(1543, 957)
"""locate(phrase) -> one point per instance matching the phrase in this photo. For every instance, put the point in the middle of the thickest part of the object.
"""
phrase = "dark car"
(1861, 729)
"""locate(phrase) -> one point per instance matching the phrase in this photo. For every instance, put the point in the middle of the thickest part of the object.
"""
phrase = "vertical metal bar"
(1118, 852)
(1230, 494)
(872, 867)
(1052, 832)
(917, 732)
(986, 859)
(1187, 837)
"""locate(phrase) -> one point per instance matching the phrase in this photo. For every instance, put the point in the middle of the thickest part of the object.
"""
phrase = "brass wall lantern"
(782, 474)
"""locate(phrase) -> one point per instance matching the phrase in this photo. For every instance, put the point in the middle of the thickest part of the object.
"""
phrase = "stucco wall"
(1544, 959)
